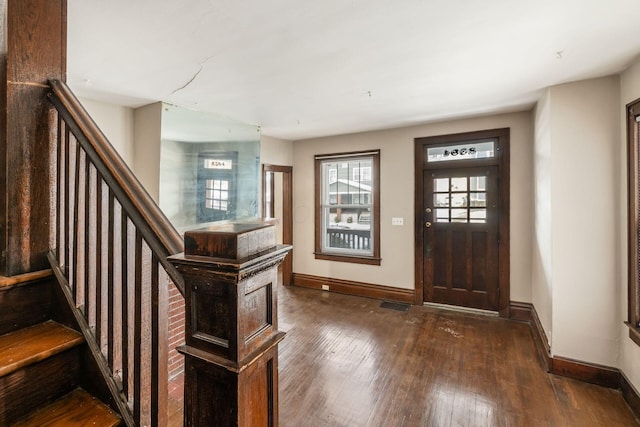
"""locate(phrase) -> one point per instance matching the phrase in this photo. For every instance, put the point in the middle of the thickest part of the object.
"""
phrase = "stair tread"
(78, 408)
(35, 343)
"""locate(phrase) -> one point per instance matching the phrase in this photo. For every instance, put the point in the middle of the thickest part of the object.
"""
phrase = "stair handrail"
(162, 237)
(97, 194)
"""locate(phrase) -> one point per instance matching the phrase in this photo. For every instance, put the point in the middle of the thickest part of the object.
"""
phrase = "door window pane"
(459, 184)
(458, 215)
(442, 215)
(478, 199)
(441, 184)
(478, 216)
(459, 200)
(441, 200)
(478, 183)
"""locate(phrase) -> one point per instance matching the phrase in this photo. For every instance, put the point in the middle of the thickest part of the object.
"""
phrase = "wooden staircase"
(42, 363)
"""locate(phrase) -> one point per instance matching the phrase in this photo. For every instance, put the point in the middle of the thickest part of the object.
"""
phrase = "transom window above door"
(468, 151)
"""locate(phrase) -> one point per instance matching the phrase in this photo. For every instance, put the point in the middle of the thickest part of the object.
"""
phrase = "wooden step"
(24, 303)
(35, 343)
(77, 408)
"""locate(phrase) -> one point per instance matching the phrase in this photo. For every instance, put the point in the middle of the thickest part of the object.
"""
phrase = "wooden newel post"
(231, 351)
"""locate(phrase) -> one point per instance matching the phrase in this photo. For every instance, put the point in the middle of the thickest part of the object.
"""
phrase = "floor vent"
(399, 306)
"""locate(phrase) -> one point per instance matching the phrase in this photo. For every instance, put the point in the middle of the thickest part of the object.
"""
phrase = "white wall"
(173, 175)
(397, 200)
(577, 164)
(274, 151)
(146, 154)
(629, 351)
(541, 262)
(117, 123)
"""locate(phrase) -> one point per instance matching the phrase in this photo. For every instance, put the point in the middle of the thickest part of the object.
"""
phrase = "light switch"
(397, 221)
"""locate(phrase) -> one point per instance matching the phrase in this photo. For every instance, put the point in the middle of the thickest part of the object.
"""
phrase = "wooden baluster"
(59, 211)
(98, 259)
(75, 249)
(86, 239)
(124, 294)
(65, 184)
(110, 279)
(137, 326)
(159, 347)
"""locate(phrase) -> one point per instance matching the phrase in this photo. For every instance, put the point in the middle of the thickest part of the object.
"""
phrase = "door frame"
(502, 153)
(287, 213)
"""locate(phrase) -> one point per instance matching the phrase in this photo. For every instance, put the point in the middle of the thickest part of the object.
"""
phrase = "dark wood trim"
(521, 311)
(348, 258)
(605, 376)
(588, 372)
(375, 230)
(287, 214)
(418, 265)
(540, 340)
(634, 333)
(503, 161)
(633, 214)
(349, 287)
(33, 50)
(630, 394)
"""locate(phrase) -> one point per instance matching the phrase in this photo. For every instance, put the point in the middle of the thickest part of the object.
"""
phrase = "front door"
(462, 220)
(461, 237)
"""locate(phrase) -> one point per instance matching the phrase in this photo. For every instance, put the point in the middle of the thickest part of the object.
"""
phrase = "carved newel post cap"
(230, 240)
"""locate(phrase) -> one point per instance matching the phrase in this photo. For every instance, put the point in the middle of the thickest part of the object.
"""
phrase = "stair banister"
(110, 256)
(162, 236)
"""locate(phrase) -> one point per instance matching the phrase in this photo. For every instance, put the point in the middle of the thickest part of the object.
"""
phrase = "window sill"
(634, 333)
(349, 258)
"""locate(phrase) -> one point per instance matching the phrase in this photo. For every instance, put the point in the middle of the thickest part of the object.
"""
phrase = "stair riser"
(34, 386)
(24, 305)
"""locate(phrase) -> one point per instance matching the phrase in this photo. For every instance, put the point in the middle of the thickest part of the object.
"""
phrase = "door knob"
(427, 224)
(428, 210)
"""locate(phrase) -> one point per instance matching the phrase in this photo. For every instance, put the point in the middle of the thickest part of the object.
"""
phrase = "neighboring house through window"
(347, 194)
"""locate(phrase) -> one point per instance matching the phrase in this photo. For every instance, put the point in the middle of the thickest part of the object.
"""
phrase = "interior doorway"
(277, 197)
(462, 220)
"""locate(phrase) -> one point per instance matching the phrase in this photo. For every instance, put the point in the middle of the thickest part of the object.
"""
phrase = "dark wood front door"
(462, 220)
(461, 237)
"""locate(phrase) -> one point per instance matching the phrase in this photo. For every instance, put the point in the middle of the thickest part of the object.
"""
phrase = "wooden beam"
(33, 50)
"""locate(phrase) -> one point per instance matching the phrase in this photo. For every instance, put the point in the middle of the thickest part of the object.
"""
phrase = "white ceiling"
(308, 68)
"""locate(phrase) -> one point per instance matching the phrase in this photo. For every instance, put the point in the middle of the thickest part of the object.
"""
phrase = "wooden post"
(231, 350)
(32, 50)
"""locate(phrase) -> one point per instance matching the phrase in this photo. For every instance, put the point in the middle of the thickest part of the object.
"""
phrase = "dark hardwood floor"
(348, 362)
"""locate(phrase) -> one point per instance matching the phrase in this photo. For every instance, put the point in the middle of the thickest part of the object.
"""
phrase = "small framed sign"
(218, 164)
